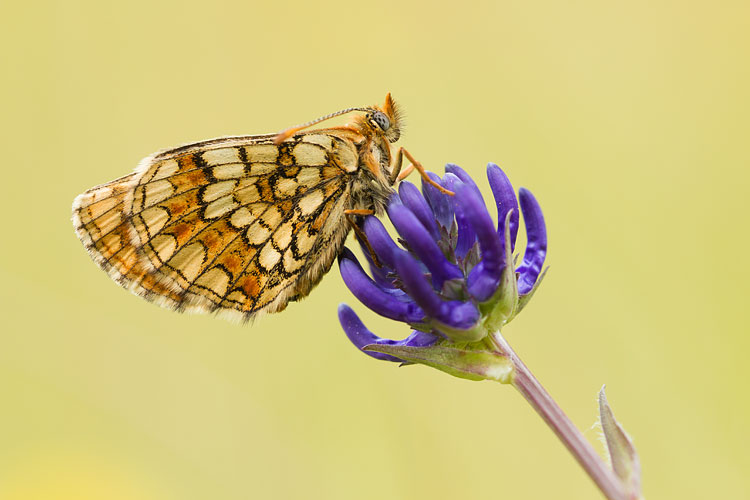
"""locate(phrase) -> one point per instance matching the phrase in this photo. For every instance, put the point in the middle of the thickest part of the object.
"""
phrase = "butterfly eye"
(381, 120)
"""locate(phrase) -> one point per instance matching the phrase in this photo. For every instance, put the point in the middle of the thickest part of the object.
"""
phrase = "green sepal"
(462, 363)
(524, 299)
(454, 289)
(503, 304)
(473, 334)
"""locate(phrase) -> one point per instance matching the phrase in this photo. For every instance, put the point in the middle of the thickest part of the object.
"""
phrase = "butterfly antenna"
(286, 134)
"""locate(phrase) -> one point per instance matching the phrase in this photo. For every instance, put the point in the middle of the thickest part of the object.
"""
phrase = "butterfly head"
(385, 120)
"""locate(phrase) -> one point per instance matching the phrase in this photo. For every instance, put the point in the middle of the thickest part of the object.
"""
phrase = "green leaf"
(462, 363)
(625, 460)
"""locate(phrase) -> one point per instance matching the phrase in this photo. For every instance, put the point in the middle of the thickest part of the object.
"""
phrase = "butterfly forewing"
(235, 224)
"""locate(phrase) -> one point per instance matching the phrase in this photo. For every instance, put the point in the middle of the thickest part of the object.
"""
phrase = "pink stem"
(561, 425)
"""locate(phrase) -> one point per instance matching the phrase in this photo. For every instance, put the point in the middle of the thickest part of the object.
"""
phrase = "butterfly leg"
(351, 217)
(397, 174)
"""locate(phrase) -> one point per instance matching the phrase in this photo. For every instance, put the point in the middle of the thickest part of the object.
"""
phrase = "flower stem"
(530, 388)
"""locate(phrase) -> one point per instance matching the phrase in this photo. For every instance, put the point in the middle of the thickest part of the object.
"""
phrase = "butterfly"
(243, 225)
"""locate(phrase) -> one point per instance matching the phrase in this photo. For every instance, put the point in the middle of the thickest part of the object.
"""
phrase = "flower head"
(452, 279)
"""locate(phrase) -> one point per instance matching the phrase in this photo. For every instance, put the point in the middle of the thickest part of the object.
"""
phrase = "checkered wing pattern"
(237, 225)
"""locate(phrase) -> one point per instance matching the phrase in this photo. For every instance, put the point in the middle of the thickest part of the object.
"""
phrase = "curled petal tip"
(414, 201)
(372, 295)
(536, 246)
(505, 199)
(358, 333)
(464, 177)
(459, 172)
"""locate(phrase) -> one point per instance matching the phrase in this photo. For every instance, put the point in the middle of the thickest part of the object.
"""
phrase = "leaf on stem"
(625, 460)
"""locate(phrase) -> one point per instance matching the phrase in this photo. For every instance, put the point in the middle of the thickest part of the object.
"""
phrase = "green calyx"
(470, 362)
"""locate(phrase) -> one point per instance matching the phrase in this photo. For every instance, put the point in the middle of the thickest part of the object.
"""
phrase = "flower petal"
(414, 201)
(453, 313)
(379, 274)
(536, 246)
(361, 336)
(373, 296)
(439, 202)
(485, 277)
(464, 177)
(421, 243)
(358, 333)
(505, 198)
(466, 235)
(381, 242)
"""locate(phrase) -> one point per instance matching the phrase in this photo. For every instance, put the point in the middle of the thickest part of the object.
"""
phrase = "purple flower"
(452, 278)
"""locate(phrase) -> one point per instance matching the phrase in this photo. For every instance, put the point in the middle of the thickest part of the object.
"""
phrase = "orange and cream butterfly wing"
(237, 224)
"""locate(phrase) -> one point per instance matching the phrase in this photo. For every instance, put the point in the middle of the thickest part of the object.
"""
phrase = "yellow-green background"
(628, 120)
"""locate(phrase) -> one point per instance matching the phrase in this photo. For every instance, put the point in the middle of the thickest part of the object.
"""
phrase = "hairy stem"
(530, 388)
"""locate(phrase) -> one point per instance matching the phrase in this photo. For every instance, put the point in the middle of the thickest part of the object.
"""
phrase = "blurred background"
(629, 122)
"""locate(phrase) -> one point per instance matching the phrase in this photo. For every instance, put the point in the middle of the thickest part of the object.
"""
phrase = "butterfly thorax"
(369, 192)
(371, 187)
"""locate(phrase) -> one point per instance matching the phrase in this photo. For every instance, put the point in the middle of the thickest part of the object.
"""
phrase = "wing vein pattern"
(236, 225)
